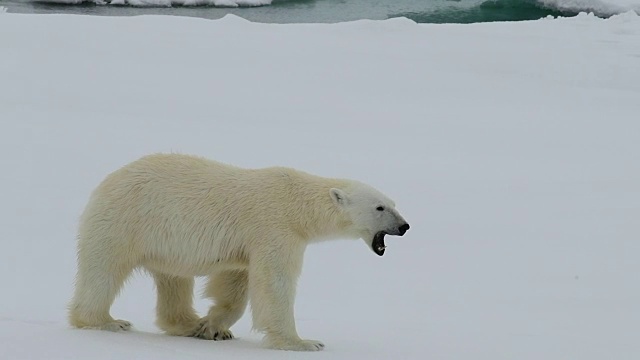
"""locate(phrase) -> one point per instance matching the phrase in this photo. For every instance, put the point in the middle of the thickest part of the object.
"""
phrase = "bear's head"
(372, 214)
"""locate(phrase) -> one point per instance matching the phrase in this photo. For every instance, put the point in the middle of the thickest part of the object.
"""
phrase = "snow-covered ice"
(511, 148)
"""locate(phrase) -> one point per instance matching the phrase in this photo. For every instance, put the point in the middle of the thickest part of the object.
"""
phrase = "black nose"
(403, 229)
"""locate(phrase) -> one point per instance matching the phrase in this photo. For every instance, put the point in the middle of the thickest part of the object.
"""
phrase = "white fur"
(180, 216)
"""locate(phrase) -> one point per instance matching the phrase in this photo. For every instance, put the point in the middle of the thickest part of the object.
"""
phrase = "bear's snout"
(403, 229)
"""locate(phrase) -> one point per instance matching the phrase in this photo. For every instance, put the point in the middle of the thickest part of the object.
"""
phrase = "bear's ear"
(338, 196)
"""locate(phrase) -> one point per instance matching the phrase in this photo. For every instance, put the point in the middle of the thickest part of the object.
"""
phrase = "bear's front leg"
(273, 274)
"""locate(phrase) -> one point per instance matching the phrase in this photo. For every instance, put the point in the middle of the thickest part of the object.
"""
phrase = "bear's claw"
(123, 324)
(223, 335)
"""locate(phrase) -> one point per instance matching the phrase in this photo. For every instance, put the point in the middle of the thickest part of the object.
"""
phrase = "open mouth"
(377, 244)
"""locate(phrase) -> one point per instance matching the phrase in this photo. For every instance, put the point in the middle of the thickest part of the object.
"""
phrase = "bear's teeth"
(380, 248)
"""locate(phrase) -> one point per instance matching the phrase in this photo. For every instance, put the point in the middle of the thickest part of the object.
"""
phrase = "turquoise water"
(329, 11)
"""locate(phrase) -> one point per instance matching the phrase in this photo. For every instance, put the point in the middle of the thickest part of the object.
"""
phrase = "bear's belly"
(182, 269)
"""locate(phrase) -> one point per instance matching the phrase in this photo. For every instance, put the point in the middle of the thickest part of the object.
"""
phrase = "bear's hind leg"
(229, 291)
(97, 285)
(174, 311)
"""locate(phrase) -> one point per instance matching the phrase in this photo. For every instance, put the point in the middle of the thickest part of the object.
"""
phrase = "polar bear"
(180, 216)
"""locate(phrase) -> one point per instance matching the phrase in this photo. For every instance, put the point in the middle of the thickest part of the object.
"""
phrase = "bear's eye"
(380, 208)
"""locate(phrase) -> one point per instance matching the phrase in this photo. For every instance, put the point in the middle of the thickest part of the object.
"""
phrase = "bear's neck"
(316, 216)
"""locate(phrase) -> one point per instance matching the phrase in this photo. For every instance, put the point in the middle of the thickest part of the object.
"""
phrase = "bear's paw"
(115, 326)
(296, 345)
(208, 332)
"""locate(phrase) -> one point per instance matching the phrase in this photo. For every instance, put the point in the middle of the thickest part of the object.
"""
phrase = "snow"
(511, 148)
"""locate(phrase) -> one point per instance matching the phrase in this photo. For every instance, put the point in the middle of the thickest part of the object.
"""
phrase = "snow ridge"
(168, 3)
(599, 7)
